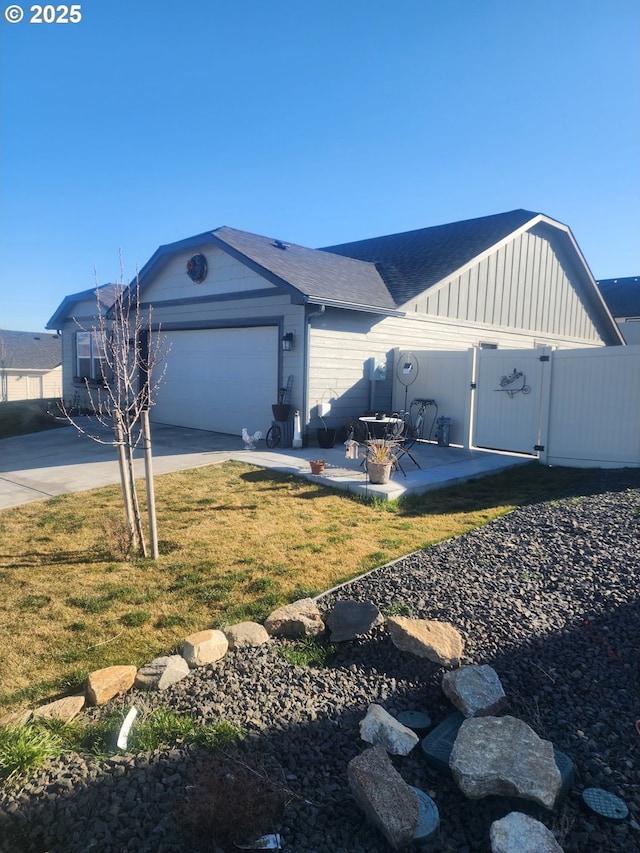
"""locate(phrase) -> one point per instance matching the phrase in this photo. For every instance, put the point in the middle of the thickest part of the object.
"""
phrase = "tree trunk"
(124, 479)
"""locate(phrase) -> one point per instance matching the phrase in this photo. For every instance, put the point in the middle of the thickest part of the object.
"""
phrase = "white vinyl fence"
(579, 408)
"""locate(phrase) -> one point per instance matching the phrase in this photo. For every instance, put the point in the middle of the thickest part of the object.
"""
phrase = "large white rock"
(520, 833)
(504, 756)
(65, 709)
(300, 619)
(388, 802)
(246, 634)
(474, 690)
(162, 672)
(437, 641)
(380, 728)
(204, 647)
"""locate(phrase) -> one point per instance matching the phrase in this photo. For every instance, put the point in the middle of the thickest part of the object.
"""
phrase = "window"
(487, 345)
(89, 350)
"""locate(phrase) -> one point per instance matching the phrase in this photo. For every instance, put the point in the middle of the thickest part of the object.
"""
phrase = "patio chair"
(404, 443)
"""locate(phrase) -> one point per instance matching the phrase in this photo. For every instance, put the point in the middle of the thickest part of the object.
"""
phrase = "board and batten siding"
(524, 285)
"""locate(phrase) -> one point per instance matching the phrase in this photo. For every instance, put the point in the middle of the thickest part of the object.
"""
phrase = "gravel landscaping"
(547, 595)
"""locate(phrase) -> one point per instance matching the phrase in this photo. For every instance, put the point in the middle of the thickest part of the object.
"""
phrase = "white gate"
(507, 399)
(568, 407)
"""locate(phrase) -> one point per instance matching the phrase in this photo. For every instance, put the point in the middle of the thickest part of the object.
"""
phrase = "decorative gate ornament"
(514, 382)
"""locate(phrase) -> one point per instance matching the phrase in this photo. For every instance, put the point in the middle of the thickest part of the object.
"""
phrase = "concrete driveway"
(59, 461)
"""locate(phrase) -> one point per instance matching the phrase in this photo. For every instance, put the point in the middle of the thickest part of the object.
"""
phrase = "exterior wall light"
(287, 342)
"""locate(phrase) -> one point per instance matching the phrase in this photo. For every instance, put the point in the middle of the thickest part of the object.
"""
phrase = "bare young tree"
(130, 365)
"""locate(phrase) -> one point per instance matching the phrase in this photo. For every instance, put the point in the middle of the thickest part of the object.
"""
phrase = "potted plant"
(281, 409)
(326, 435)
(380, 459)
(317, 466)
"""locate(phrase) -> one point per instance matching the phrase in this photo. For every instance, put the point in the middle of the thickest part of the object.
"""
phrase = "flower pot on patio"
(379, 472)
(326, 437)
(317, 466)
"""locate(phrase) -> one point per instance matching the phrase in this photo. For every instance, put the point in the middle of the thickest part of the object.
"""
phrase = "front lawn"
(236, 541)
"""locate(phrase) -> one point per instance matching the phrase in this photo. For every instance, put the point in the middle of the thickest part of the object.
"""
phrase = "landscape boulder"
(246, 634)
(300, 619)
(350, 619)
(380, 728)
(474, 690)
(104, 684)
(387, 801)
(439, 642)
(504, 756)
(162, 672)
(65, 709)
(15, 719)
(520, 833)
(204, 647)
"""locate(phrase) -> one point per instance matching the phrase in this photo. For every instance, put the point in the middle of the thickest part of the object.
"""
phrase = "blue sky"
(316, 122)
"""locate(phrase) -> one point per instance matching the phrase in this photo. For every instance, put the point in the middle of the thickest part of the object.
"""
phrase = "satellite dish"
(407, 370)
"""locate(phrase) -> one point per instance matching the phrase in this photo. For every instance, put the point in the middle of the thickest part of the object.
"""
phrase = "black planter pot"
(281, 411)
(326, 437)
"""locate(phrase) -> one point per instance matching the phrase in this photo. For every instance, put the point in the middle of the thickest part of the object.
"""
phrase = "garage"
(219, 379)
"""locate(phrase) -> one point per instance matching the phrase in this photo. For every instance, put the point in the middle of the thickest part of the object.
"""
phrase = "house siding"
(522, 285)
(31, 384)
(343, 342)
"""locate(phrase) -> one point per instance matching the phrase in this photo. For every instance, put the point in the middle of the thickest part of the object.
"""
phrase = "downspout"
(305, 370)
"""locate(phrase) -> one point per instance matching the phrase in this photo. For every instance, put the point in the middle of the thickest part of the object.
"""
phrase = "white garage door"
(219, 379)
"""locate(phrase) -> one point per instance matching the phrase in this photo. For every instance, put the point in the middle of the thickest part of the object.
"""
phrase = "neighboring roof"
(319, 276)
(622, 295)
(413, 261)
(29, 350)
(105, 294)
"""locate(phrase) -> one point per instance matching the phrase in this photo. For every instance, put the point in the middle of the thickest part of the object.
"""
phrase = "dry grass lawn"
(236, 541)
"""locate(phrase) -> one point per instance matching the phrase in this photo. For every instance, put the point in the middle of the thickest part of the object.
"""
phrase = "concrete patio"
(35, 467)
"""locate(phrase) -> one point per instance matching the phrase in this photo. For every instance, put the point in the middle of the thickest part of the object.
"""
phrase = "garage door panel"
(219, 379)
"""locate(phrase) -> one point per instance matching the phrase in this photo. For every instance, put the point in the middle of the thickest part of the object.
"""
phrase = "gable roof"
(413, 261)
(622, 295)
(29, 350)
(105, 295)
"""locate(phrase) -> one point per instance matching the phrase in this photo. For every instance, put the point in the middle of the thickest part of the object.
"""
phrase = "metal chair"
(403, 443)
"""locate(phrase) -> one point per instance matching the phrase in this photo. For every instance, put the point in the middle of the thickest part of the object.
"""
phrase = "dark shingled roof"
(319, 276)
(105, 294)
(622, 295)
(29, 350)
(413, 261)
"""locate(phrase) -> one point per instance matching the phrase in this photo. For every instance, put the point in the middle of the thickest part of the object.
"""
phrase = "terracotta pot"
(317, 466)
(379, 472)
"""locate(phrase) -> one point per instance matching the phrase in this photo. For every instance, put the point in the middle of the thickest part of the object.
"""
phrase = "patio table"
(384, 427)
